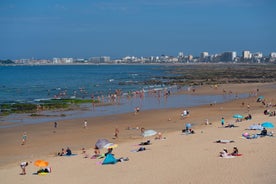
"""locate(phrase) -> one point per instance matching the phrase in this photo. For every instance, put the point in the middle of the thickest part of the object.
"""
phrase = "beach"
(179, 158)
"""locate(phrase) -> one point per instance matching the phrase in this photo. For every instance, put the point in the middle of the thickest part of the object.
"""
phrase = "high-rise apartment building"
(246, 54)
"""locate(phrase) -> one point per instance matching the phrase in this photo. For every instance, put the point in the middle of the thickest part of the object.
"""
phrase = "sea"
(33, 83)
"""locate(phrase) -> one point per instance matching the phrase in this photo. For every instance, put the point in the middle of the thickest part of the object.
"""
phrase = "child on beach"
(23, 166)
(222, 121)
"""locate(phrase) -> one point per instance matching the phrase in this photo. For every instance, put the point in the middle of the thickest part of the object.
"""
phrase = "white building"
(204, 55)
(258, 55)
(272, 55)
(246, 54)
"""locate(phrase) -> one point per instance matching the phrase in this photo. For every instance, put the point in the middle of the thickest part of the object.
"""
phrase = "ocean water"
(32, 83)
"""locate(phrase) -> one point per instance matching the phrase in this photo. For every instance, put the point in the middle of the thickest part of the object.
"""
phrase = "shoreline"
(147, 103)
(43, 143)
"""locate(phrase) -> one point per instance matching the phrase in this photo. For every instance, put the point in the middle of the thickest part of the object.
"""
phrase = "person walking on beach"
(55, 126)
(23, 166)
(24, 138)
(116, 133)
(85, 124)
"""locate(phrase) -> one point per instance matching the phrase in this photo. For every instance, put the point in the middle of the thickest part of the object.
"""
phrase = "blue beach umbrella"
(188, 125)
(238, 116)
(267, 125)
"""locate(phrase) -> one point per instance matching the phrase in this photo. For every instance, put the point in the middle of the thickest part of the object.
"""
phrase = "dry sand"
(177, 159)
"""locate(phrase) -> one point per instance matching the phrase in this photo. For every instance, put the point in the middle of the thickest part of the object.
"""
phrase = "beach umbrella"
(148, 133)
(188, 125)
(41, 163)
(111, 145)
(101, 143)
(238, 116)
(267, 125)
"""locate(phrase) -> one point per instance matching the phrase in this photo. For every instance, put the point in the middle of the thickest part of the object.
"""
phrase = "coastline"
(43, 143)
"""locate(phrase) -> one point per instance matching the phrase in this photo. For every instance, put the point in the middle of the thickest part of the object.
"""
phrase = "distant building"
(272, 57)
(257, 55)
(246, 55)
(190, 57)
(228, 56)
(204, 56)
(62, 60)
(105, 59)
(56, 61)
(101, 59)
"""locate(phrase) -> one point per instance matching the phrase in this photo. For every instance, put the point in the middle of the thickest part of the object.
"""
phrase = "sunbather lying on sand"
(139, 149)
(224, 141)
(145, 143)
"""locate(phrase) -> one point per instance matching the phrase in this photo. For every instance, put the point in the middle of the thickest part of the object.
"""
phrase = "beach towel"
(232, 156)
(238, 155)
(109, 159)
(229, 156)
(98, 156)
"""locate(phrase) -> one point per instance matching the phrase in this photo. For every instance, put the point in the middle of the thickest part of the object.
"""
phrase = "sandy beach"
(179, 158)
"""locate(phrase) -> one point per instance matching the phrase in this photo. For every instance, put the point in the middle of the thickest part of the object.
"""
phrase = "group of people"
(263, 133)
(224, 152)
(23, 166)
(64, 152)
(269, 113)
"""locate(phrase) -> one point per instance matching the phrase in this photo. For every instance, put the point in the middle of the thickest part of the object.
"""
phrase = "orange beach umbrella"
(41, 163)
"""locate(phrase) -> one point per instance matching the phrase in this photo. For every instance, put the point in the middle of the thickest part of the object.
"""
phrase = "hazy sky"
(117, 28)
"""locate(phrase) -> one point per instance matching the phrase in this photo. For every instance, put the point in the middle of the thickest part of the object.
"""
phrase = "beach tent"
(109, 159)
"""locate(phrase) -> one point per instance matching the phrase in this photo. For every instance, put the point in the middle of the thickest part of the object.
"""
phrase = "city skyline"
(80, 29)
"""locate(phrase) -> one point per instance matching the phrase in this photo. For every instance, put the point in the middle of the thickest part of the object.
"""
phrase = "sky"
(43, 29)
